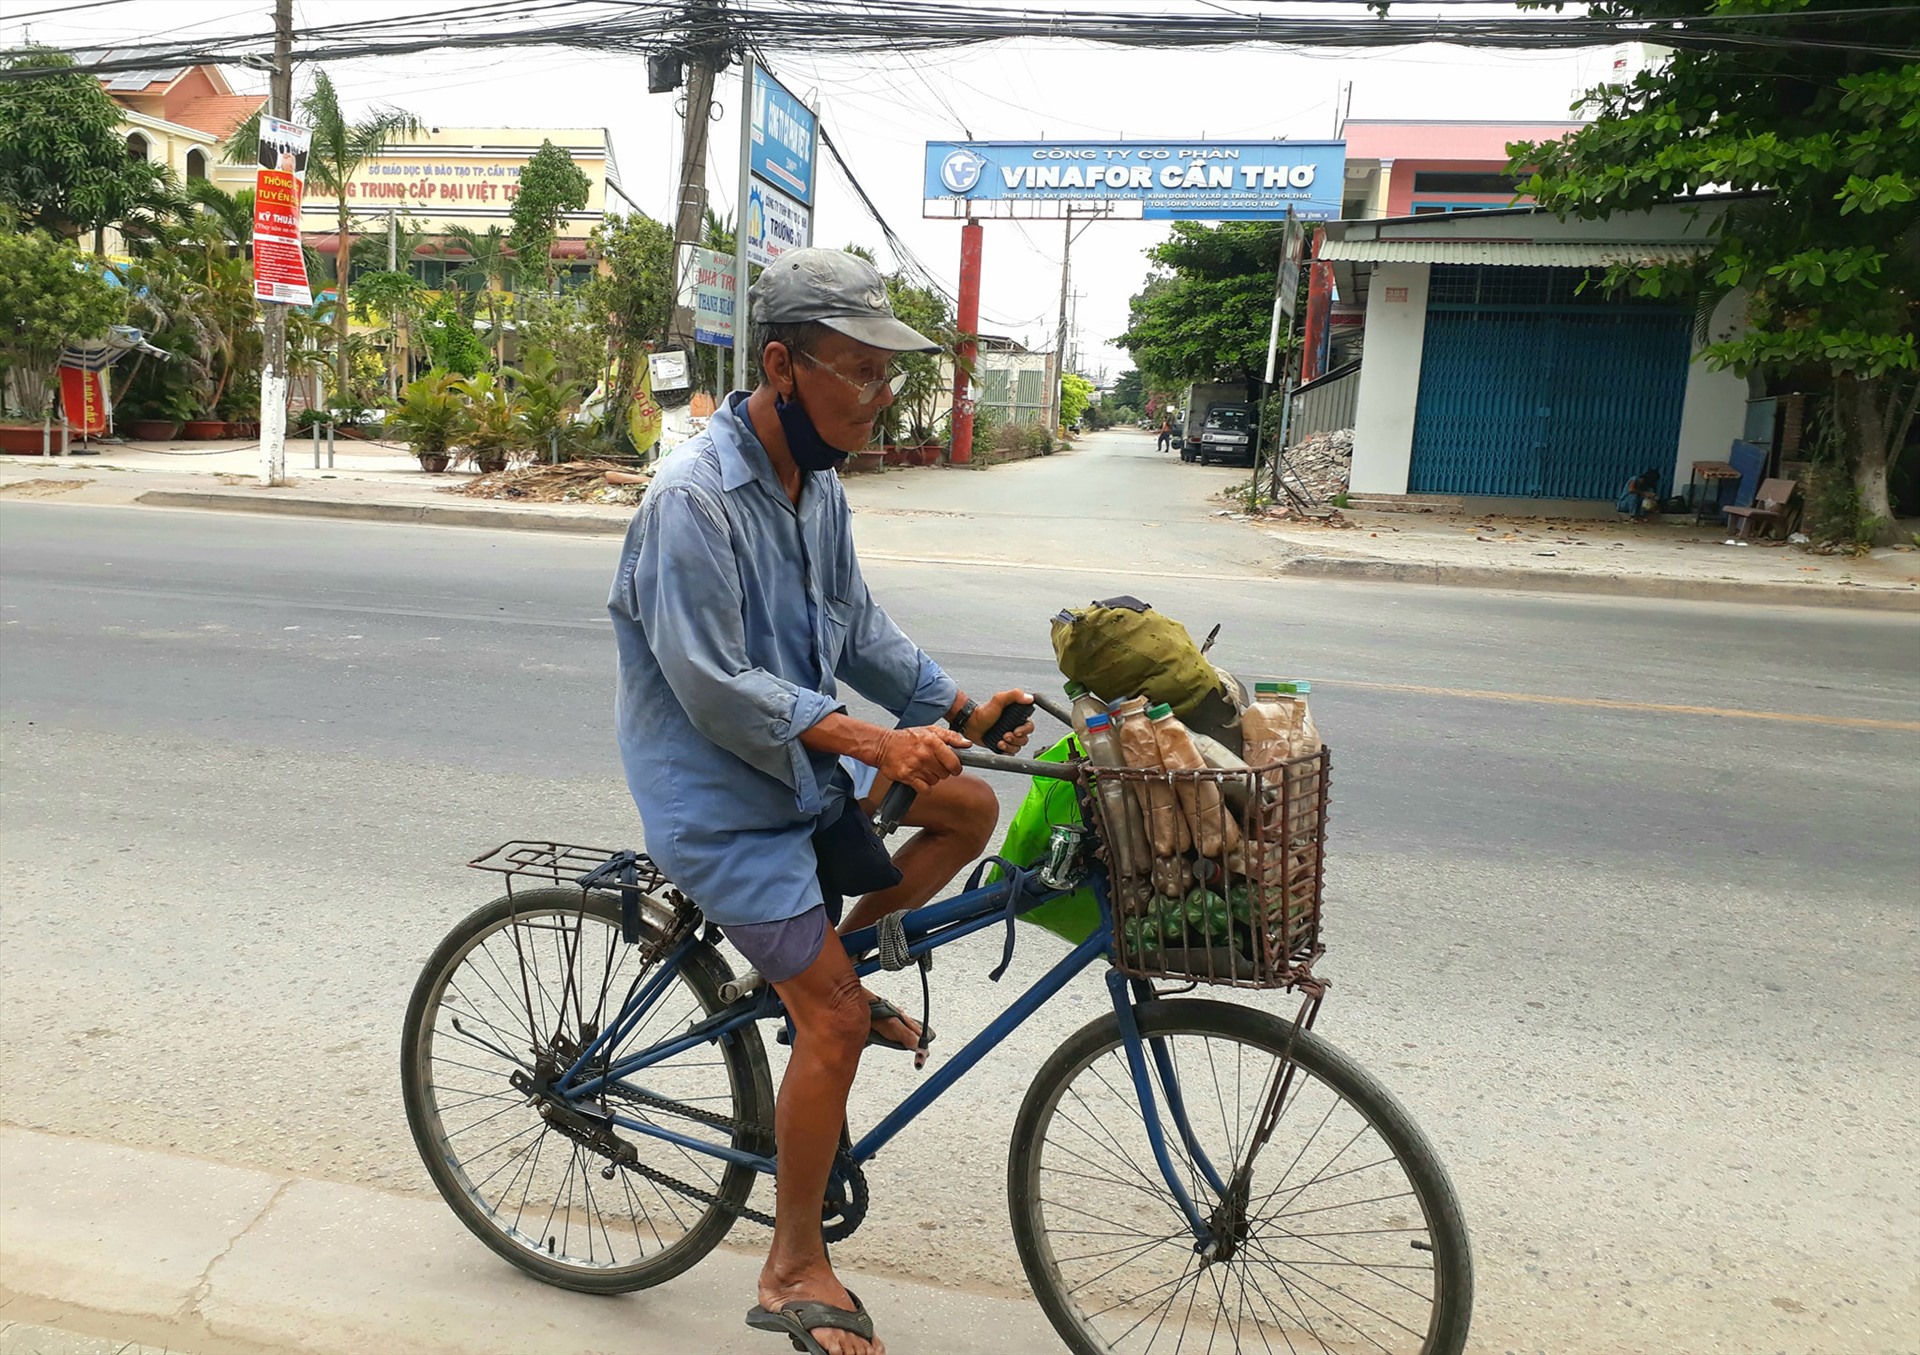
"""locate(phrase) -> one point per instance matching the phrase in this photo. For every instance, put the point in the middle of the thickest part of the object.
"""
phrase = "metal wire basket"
(1239, 905)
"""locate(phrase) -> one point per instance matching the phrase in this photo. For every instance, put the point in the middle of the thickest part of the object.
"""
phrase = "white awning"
(1511, 253)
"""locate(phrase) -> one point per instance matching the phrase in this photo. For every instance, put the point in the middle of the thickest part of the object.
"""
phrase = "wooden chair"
(1775, 509)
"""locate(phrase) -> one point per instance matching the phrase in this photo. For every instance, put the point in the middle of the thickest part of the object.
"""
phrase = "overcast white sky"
(882, 111)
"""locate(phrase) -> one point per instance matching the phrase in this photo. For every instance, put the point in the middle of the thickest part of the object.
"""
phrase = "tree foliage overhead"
(64, 165)
(1829, 258)
(1205, 311)
(550, 186)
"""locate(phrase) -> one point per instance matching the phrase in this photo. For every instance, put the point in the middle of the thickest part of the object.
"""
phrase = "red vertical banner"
(83, 400)
(279, 267)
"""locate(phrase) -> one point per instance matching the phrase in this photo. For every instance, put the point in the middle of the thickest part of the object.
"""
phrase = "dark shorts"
(850, 860)
(782, 950)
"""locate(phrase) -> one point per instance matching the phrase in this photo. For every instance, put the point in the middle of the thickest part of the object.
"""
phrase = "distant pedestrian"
(1641, 497)
(1166, 433)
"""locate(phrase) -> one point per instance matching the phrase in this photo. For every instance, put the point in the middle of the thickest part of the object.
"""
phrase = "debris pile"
(1323, 461)
(569, 482)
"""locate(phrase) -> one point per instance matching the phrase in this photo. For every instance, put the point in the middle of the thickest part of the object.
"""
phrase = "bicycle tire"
(699, 1226)
(1320, 1067)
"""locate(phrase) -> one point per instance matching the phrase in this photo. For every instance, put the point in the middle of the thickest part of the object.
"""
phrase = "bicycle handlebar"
(900, 797)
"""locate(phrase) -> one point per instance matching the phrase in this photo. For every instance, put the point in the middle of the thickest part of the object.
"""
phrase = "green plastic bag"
(1074, 916)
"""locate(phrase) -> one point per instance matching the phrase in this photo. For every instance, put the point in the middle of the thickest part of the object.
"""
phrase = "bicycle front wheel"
(528, 981)
(1348, 1238)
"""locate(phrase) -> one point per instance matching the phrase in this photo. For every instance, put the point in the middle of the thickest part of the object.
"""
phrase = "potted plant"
(493, 431)
(157, 415)
(432, 416)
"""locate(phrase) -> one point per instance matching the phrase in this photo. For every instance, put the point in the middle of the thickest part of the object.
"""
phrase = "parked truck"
(1219, 423)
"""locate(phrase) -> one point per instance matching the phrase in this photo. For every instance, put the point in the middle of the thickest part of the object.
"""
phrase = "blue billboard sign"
(1143, 180)
(783, 136)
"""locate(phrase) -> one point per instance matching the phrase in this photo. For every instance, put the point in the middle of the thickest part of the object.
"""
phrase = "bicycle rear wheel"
(533, 976)
(1350, 1237)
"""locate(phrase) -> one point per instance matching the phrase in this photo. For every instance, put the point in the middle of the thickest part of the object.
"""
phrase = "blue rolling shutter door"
(1547, 401)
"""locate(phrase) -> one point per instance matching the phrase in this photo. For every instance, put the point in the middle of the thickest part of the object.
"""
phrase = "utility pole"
(1060, 343)
(399, 331)
(704, 56)
(741, 339)
(273, 369)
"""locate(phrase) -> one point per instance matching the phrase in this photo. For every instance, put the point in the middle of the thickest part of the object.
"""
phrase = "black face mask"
(811, 452)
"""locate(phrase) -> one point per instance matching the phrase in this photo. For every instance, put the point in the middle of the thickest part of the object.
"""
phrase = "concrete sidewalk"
(105, 1243)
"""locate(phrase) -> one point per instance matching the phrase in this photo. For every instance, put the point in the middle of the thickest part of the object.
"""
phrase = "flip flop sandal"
(878, 1010)
(798, 1321)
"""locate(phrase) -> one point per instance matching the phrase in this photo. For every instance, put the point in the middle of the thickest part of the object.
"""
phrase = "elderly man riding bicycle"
(739, 609)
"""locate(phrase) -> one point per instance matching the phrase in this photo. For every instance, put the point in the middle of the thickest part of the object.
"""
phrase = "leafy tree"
(64, 165)
(1075, 393)
(1205, 311)
(1130, 391)
(927, 311)
(449, 338)
(396, 301)
(339, 149)
(550, 184)
(490, 264)
(634, 291)
(49, 297)
(1830, 259)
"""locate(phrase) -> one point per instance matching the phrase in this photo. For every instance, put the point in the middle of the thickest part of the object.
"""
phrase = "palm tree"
(232, 213)
(491, 263)
(338, 151)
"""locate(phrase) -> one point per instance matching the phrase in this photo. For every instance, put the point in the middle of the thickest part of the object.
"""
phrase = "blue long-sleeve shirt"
(737, 613)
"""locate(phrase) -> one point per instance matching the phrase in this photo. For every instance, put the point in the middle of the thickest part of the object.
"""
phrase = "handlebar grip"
(1016, 714)
(893, 807)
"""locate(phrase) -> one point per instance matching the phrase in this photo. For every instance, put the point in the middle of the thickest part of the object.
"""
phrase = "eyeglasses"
(866, 392)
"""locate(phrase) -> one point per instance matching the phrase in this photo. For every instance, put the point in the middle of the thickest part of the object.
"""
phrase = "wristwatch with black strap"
(958, 721)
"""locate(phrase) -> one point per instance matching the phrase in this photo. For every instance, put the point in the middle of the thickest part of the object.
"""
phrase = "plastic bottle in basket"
(1266, 726)
(1166, 826)
(1085, 705)
(1214, 830)
(1126, 833)
(1303, 734)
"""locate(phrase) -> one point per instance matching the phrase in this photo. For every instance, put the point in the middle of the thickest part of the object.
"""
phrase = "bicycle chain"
(857, 1194)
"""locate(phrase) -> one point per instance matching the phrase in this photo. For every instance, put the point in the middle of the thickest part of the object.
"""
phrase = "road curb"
(1603, 585)
(1345, 568)
(434, 514)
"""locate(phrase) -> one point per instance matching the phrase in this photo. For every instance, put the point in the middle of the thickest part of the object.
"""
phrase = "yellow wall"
(467, 176)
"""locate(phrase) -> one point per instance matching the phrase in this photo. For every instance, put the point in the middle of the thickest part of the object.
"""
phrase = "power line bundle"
(840, 27)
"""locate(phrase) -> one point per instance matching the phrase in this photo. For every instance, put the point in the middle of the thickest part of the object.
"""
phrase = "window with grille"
(1456, 286)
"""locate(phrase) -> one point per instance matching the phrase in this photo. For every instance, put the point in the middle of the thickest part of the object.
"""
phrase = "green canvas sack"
(1122, 648)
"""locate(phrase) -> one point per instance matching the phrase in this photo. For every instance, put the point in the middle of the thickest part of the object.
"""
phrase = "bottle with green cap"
(1167, 831)
(1210, 825)
(1084, 704)
(1303, 737)
(1266, 726)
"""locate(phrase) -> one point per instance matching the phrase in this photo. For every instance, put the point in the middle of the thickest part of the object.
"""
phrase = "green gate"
(1532, 386)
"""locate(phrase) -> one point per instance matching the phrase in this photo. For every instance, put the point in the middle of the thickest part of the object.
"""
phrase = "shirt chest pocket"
(836, 619)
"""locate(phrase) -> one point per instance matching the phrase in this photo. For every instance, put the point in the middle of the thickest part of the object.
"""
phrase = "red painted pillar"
(960, 450)
(1313, 339)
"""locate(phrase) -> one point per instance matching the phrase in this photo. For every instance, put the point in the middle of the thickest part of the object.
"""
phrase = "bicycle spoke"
(1310, 1266)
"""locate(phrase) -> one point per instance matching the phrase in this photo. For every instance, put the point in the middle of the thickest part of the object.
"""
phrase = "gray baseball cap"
(833, 288)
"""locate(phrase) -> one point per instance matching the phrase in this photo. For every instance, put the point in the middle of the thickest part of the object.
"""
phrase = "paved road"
(1646, 975)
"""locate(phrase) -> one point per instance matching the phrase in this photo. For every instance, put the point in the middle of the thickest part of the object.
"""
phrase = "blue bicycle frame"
(926, 929)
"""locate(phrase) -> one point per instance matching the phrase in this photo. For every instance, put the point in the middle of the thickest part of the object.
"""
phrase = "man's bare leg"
(956, 820)
(830, 1020)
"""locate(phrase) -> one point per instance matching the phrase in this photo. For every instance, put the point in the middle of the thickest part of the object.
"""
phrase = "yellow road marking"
(1653, 707)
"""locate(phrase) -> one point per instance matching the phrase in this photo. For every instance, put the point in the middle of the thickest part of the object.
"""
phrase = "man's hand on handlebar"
(990, 711)
(920, 756)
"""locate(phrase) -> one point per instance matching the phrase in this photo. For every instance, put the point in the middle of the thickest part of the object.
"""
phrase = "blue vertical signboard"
(783, 139)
